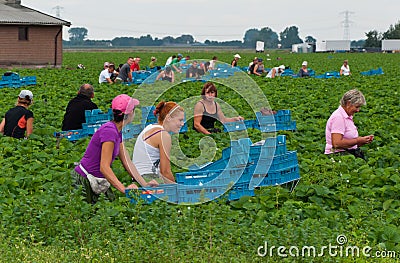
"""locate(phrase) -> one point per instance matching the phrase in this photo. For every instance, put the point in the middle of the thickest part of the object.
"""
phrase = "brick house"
(29, 38)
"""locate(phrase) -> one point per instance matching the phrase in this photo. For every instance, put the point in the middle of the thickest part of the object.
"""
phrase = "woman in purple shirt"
(341, 133)
(94, 171)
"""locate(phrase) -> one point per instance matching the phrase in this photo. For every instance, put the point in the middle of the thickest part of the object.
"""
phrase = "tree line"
(285, 39)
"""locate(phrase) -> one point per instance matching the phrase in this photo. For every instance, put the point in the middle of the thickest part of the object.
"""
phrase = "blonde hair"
(354, 96)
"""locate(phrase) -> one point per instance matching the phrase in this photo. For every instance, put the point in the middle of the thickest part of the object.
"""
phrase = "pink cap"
(124, 103)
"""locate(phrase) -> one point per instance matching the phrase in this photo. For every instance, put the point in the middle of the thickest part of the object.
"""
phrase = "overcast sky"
(222, 20)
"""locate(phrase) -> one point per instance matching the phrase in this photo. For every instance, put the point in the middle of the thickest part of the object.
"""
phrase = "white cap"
(282, 67)
(237, 56)
(304, 63)
(26, 94)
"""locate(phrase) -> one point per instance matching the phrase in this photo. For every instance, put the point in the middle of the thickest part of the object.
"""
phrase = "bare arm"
(224, 119)
(198, 116)
(273, 73)
(160, 75)
(3, 122)
(255, 71)
(107, 149)
(130, 167)
(29, 127)
(339, 142)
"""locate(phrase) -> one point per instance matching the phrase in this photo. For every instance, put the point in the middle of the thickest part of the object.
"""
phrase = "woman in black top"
(166, 74)
(19, 120)
(207, 111)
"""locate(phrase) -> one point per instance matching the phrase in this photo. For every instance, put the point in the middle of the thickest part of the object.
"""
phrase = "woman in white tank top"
(153, 145)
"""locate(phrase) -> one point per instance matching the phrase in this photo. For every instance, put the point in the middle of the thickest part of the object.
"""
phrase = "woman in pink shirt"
(341, 133)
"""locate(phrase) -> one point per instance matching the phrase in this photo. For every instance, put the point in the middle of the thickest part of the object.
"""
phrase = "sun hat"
(304, 63)
(106, 64)
(180, 55)
(26, 94)
(237, 56)
(124, 103)
(282, 67)
(153, 58)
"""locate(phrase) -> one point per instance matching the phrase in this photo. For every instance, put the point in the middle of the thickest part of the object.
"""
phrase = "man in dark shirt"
(125, 73)
(75, 112)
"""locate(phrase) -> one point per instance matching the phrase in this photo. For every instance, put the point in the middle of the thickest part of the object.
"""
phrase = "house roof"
(15, 14)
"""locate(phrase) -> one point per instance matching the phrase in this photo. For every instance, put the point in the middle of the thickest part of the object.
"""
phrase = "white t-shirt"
(345, 70)
(169, 60)
(104, 75)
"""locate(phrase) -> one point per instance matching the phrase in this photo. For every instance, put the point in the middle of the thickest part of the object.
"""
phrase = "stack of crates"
(138, 77)
(242, 167)
(131, 130)
(280, 121)
(13, 80)
(94, 119)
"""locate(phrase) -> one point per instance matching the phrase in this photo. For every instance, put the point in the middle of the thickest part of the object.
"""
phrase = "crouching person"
(94, 172)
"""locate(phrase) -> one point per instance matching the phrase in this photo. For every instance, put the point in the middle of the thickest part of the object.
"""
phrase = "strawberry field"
(44, 220)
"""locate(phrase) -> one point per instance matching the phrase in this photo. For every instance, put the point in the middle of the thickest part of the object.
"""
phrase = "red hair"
(164, 108)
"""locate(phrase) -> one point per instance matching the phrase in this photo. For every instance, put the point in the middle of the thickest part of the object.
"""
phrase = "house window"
(23, 33)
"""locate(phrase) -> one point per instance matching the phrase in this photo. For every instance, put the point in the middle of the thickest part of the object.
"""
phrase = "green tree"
(184, 39)
(251, 37)
(290, 36)
(374, 39)
(77, 34)
(310, 39)
(269, 37)
(393, 32)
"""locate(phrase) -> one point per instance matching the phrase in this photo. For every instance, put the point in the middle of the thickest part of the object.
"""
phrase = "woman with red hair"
(153, 145)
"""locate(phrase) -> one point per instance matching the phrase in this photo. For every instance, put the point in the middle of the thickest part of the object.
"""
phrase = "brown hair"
(164, 108)
(209, 86)
(25, 101)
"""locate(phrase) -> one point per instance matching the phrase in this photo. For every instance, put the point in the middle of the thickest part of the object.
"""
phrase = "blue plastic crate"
(241, 145)
(15, 83)
(240, 190)
(4, 83)
(271, 146)
(378, 71)
(199, 194)
(278, 177)
(249, 123)
(285, 126)
(166, 192)
(91, 128)
(71, 135)
(234, 126)
(277, 163)
(184, 128)
(29, 80)
(147, 112)
(332, 74)
(97, 116)
(197, 177)
(8, 76)
(216, 165)
(281, 120)
(131, 130)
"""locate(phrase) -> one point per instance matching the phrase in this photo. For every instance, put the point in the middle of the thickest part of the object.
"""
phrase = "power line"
(346, 24)
(58, 10)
